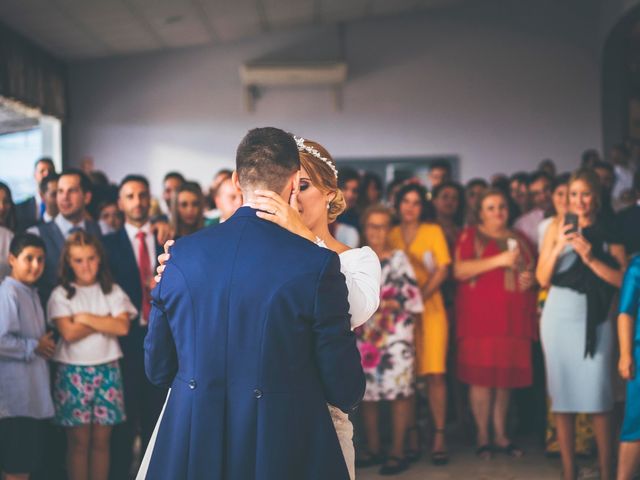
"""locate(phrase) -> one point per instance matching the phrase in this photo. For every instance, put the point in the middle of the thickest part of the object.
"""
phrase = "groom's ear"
(235, 180)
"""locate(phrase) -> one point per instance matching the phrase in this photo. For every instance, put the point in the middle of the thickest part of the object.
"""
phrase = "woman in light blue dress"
(582, 269)
(629, 337)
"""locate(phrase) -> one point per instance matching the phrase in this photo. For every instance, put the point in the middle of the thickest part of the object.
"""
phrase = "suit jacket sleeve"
(160, 357)
(335, 344)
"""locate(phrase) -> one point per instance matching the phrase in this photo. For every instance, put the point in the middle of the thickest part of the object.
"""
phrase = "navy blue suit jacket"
(250, 328)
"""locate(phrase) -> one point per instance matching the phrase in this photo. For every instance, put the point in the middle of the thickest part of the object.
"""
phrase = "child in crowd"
(25, 399)
(90, 311)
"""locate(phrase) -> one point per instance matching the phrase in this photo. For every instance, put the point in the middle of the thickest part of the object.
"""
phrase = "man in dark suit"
(72, 197)
(31, 211)
(250, 327)
(628, 221)
(132, 253)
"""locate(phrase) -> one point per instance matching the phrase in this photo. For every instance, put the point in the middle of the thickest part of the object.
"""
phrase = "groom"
(250, 328)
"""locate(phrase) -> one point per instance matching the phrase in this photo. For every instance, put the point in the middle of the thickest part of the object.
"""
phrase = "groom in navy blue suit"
(250, 329)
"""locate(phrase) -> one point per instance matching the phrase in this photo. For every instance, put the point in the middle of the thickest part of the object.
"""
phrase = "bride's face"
(312, 203)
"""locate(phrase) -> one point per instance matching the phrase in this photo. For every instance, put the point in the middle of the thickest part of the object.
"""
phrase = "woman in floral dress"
(386, 344)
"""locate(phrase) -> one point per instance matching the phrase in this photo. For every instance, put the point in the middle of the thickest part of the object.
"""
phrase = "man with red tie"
(132, 253)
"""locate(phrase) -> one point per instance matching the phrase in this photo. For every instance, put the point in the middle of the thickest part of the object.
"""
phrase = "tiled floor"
(466, 466)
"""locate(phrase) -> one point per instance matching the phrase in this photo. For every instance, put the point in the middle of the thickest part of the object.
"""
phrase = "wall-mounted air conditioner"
(259, 75)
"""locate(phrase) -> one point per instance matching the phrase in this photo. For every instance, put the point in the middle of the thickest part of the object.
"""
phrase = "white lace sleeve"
(361, 269)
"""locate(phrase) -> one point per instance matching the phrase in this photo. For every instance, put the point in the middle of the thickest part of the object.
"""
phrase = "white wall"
(501, 85)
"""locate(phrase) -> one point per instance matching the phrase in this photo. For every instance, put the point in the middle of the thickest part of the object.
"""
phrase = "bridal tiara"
(309, 149)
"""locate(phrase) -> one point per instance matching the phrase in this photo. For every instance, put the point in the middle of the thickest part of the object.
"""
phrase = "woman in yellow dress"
(426, 246)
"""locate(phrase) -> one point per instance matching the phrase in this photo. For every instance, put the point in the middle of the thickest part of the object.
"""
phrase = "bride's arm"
(361, 270)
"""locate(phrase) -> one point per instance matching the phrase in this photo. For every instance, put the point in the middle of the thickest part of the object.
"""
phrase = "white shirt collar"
(132, 230)
(65, 225)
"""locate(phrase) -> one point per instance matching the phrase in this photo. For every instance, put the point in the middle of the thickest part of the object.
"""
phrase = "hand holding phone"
(571, 219)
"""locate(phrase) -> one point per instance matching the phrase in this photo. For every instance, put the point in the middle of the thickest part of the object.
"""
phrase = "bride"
(308, 214)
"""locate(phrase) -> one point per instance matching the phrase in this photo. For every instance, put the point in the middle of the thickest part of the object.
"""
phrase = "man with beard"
(132, 253)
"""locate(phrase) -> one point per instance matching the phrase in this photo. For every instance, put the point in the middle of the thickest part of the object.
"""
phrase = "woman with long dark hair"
(7, 227)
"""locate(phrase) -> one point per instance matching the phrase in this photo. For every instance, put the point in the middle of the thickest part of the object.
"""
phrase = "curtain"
(30, 75)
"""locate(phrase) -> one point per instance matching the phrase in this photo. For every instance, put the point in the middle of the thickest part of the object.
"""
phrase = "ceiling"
(81, 29)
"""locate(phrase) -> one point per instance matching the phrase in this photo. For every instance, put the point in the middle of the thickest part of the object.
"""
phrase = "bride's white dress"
(361, 270)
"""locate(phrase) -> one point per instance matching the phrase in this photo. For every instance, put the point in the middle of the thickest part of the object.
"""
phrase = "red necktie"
(144, 267)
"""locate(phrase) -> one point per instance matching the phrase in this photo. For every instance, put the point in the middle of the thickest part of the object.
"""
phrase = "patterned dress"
(386, 341)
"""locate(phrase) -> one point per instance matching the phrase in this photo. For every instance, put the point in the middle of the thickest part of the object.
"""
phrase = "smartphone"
(571, 219)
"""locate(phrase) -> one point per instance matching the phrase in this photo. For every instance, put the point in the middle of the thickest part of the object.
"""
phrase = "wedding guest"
(549, 167)
(607, 177)
(583, 269)
(170, 185)
(90, 312)
(426, 247)
(439, 172)
(73, 196)
(448, 203)
(370, 191)
(109, 216)
(620, 158)
(228, 199)
(559, 202)
(386, 345)
(349, 183)
(629, 338)
(473, 190)
(584, 439)
(24, 375)
(628, 221)
(7, 227)
(519, 191)
(589, 158)
(188, 210)
(132, 253)
(8, 213)
(218, 179)
(539, 188)
(31, 211)
(392, 191)
(496, 319)
(48, 191)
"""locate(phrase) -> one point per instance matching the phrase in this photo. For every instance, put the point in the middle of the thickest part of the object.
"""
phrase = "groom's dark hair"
(267, 157)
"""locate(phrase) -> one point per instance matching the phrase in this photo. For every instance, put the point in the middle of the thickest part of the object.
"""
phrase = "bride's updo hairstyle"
(322, 175)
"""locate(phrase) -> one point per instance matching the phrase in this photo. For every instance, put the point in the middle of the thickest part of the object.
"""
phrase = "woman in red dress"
(496, 318)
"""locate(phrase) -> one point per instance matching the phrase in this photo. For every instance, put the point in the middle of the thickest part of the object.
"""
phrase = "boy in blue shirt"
(25, 395)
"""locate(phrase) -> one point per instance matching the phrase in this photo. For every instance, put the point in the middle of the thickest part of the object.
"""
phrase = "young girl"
(89, 311)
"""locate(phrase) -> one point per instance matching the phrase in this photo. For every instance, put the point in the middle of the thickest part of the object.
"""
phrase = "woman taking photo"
(582, 264)
(496, 319)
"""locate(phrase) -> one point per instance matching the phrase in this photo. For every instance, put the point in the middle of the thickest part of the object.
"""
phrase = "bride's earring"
(328, 206)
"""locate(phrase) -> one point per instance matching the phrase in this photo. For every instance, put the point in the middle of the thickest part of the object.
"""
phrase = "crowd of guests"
(485, 287)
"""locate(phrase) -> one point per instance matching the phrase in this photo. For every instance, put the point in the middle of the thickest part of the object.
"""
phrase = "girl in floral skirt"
(89, 311)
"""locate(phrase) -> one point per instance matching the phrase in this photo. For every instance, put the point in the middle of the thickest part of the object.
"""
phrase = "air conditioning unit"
(273, 75)
(258, 75)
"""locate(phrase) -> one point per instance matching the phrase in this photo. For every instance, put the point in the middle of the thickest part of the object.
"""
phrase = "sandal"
(412, 455)
(369, 459)
(484, 452)
(511, 450)
(439, 457)
(393, 466)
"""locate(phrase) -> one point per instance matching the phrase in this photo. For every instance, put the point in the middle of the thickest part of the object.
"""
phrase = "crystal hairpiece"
(309, 149)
